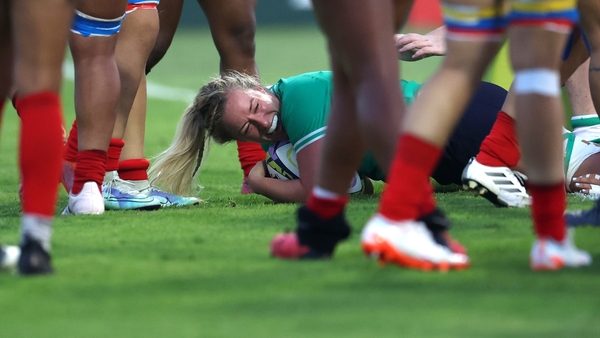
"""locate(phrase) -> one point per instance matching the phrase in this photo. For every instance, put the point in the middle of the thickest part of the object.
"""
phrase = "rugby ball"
(281, 164)
(281, 161)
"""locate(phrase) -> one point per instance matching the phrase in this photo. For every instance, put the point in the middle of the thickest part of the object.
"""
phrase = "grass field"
(206, 272)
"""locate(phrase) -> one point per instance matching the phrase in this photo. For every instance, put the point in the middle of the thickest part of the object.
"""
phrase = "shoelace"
(151, 187)
(123, 186)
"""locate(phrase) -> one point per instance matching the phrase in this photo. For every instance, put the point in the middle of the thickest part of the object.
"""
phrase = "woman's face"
(253, 115)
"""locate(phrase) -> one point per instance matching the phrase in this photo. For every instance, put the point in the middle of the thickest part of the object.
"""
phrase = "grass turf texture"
(206, 272)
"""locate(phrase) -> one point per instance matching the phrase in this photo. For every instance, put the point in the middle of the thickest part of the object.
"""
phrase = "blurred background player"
(491, 173)
(590, 25)
(366, 111)
(34, 37)
(475, 32)
(232, 25)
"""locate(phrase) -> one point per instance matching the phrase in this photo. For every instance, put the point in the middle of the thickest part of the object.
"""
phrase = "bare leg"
(366, 101)
(136, 40)
(233, 25)
(590, 25)
(40, 37)
(136, 126)
(365, 114)
(97, 90)
(169, 12)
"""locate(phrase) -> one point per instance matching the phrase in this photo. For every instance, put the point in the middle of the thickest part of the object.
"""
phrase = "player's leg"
(233, 25)
(474, 126)
(6, 55)
(365, 82)
(9, 254)
(132, 51)
(169, 12)
(492, 172)
(136, 39)
(584, 120)
(40, 37)
(92, 40)
(133, 166)
(537, 42)
(590, 25)
(475, 32)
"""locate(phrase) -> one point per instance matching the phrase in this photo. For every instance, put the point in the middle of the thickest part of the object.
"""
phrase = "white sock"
(38, 228)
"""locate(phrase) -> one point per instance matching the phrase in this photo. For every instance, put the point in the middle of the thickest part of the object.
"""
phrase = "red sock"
(428, 203)
(134, 169)
(547, 209)
(249, 153)
(500, 147)
(40, 151)
(91, 166)
(71, 148)
(326, 207)
(408, 193)
(114, 152)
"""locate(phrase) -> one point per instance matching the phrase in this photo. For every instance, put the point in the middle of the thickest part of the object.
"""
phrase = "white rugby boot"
(408, 244)
(499, 185)
(89, 201)
(548, 254)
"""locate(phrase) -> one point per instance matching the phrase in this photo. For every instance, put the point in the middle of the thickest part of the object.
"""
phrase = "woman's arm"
(288, 191)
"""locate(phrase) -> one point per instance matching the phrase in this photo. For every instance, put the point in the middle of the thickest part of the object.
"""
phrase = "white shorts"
(576, 151)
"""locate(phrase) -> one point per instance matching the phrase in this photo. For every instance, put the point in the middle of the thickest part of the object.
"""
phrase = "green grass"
(206, 272)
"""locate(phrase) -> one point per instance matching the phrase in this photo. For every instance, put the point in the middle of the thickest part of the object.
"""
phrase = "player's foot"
(548, 254)
(34, 260)
(246, 188)
(408, 244)
(315, 238)
(584, 217)
(169, 200)
(287, 246)
(120, 195)
(438, 225)
(367, 187)
(9, 256)
(499, 185)
(89, 201)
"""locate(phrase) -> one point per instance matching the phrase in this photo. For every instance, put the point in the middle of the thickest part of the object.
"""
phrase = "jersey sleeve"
(410, 89)
(305, 104)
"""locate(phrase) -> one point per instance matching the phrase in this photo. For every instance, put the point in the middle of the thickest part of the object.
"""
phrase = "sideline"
(154, 90)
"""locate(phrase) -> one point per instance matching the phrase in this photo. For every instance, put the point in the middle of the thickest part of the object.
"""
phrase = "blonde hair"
(175, 168)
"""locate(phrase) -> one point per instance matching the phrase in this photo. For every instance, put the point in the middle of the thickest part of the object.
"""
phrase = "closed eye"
(245, 128)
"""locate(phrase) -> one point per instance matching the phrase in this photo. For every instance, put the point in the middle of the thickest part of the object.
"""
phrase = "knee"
(237, 39)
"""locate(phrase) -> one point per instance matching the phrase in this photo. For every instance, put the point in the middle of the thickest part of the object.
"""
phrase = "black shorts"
(474, 126)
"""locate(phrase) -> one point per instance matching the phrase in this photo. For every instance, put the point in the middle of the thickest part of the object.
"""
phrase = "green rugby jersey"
(305, 104)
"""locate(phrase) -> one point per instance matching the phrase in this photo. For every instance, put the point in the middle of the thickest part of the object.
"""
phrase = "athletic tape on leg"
(540, 81)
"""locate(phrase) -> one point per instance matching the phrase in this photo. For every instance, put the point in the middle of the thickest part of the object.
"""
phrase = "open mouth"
(273, 125)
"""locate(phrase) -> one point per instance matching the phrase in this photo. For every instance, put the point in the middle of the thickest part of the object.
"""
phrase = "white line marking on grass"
(154, 90)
